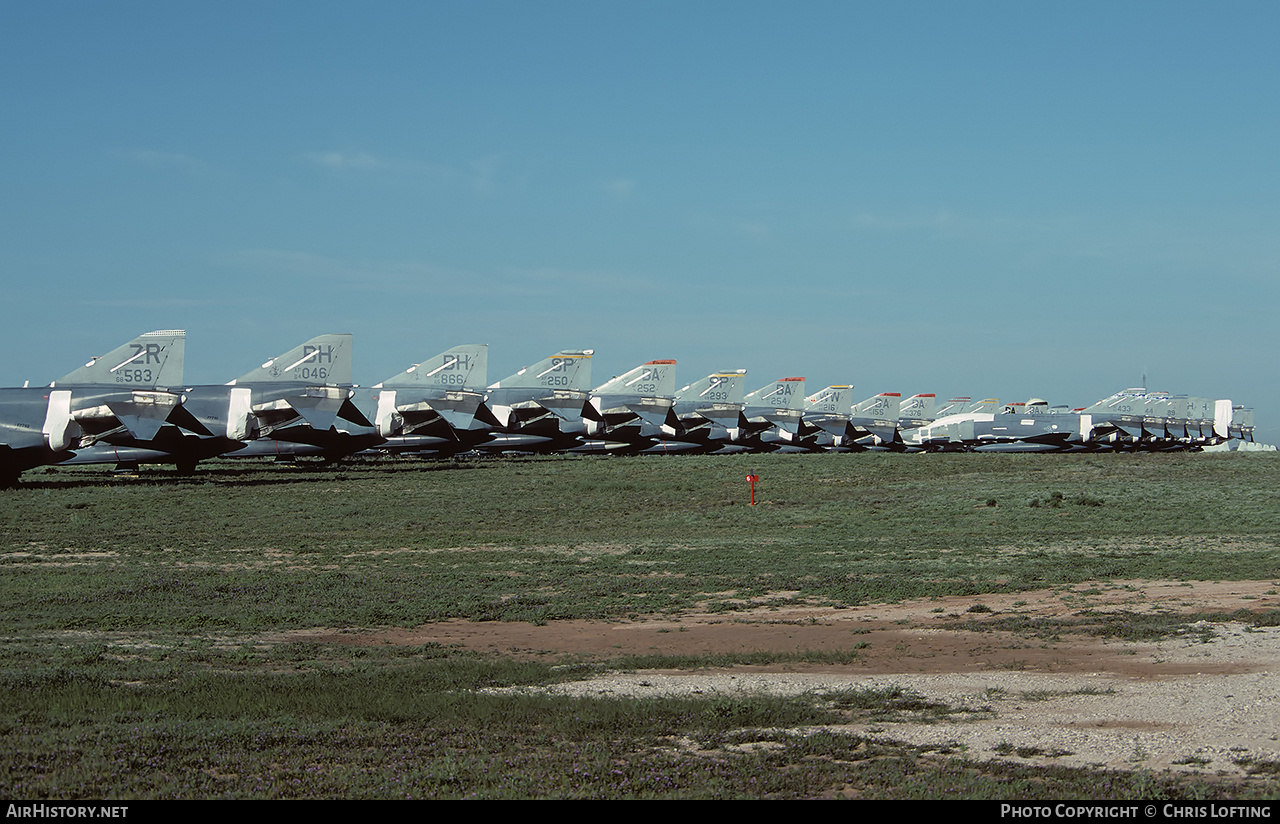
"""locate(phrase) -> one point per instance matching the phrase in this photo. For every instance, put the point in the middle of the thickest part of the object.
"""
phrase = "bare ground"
(1206, 700)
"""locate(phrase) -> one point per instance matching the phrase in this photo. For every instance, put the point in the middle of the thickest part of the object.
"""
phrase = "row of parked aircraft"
(131, 406)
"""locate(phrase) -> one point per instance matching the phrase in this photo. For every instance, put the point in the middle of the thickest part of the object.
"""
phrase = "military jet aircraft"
(1139, 419)
(296, 404)
(953, 427)
(35, 430)
(1132, 419)
(540, 407)
(1016, 427)
(1239, 423)
(706, 416)
(874, 422)
(122, 397)
(626, 414)
(772, 416)
(1117, 420)
(825, 423)
(917, 410)
(1033, 426)
(435, 407)
(1196, 422)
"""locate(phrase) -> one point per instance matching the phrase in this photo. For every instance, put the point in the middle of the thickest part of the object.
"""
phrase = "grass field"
(136, 660)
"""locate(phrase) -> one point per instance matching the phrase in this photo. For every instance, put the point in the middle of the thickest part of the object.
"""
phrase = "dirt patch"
(922, 636)
(1056, 682)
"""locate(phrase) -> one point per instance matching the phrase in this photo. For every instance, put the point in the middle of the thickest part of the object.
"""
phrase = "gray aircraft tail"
(656, 378)
(568, 369)
(1123, 415)
(784, 393)
(952, 406)
(462, 367)
(826, 416)
(882, 407)
(1242, 421)
(324, 360)
(646, 392)
(447, 386)
(1124, 402)
(1200, 418)
(1037, 406)
(310, 383)
(149, 361)
(986, 406)
(728, 386)
(875, 420)
(834, 400)
(917, 410)
(558, 385)
(710, 409)
(780, 403)
(125, 392)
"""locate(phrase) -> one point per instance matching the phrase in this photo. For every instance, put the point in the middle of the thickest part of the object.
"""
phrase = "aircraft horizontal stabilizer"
(319, 405)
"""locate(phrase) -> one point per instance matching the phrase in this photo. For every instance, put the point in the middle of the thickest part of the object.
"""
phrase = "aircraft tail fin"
(323, 360)
(567, 369)
(1242, 416)
(779, 404)
(1036, 406)
(784, 393)
(834, 400)
(918, 407)
(151, 360)
(882, 407)
(461, 367)
(646, 392)
(1125, 401)
(657, 378)
(725, 386)
(954, 406)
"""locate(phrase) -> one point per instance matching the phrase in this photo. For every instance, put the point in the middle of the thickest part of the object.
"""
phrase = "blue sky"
(995, 199)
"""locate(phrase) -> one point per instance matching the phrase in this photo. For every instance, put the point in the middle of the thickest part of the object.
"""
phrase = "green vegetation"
(136, 655)
(419, 724)
(1125, 625)
(253, 548)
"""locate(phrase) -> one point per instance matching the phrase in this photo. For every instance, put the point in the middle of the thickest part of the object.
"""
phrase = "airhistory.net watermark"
(37, 810)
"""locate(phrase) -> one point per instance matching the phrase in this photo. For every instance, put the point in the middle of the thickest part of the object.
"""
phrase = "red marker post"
(751, 479)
